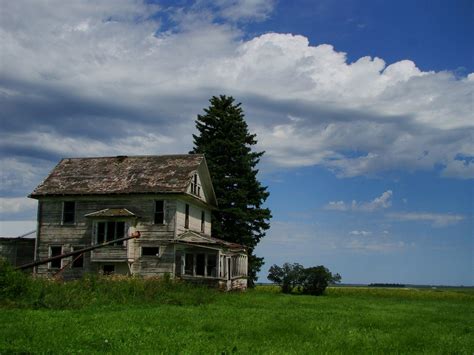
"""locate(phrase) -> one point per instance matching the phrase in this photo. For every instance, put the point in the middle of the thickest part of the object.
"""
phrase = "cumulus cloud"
(436, 219)
(129, 77)
(379, 203)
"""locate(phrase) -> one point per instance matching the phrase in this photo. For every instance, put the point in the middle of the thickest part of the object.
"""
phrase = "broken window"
(203, 221)
(195, 188)
(159, 212)
(186, 217)
(150, 251)
(108, 231)
(69, 212)
(211, 265)
(78, 259)
(55, 251)
(188, 264)
(200, 264)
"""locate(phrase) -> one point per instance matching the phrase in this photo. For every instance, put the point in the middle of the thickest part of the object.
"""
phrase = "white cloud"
(379, 203)
(245, 9)
(436, 219)
(16, 228)
(16, 205)
(109, 77)
(361, 232)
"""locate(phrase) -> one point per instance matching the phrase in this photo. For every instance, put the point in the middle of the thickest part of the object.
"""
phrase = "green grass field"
(345, 320)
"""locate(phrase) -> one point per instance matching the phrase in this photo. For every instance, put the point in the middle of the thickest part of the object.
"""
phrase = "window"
(188, 264)
(78, 259)
(108, 231)
(186, 217)
(211, 265)
(150, 251)
(54, 251)
(195, 189)
(69, 212)
(200, 264)
(159, 212)
(203, 221)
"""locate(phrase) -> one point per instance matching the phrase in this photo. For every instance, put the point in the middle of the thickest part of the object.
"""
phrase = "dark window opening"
(150, 251)
(108, 269)
(203, 221)
(200, 264)
(211, 265)
(78, 259)
(186, 218)
(159, 212)
(101, 232)
(188, 264)
(55, 264)
(108, 231)
(69, 212)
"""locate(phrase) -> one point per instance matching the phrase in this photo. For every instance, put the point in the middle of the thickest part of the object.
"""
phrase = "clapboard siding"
(194, 217)
(53, 233)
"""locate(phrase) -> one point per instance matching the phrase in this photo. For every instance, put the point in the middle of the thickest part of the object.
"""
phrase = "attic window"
(69, 212)
(195, 188)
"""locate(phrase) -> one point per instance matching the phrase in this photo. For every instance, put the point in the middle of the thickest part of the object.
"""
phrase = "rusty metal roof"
(120, 175)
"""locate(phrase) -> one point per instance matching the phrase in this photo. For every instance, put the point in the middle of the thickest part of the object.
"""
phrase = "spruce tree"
(227, 144)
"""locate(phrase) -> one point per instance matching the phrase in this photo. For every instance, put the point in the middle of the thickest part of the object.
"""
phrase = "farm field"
(345, 320)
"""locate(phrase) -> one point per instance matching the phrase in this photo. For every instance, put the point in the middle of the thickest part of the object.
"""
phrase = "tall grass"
(18, 290)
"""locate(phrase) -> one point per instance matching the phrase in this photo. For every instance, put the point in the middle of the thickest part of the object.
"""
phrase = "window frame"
(187, 209)
(106, 222)
(203, 221)
(74, 213)
(50, 254)
(155, 212)
(150, 247)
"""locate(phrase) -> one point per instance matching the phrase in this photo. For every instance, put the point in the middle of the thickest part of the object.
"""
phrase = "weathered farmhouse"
(168, 199)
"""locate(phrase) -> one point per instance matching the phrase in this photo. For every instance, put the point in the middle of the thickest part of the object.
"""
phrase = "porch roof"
(194, 238)
(112, 212)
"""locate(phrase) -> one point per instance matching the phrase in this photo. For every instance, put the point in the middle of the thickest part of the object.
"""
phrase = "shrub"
(310, 281)
(316, 279)
(288, 276)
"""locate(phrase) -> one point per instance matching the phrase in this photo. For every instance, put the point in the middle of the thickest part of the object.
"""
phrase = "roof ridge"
(136, 156)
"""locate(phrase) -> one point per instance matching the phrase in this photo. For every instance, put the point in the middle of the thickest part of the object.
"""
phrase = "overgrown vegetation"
(309, 281)
(21, 290)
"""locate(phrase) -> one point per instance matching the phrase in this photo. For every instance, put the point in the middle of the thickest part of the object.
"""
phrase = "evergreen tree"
(227, 144)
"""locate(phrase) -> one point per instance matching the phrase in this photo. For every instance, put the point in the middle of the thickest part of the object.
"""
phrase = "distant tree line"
(295, 277)
(386, 285)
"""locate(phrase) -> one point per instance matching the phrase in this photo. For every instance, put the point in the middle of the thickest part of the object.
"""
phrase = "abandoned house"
(167, 199)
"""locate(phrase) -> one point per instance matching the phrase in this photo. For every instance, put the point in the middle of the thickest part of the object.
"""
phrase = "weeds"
(18, 290)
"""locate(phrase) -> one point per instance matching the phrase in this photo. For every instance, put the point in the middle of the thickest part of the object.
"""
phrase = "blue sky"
(364, 109)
